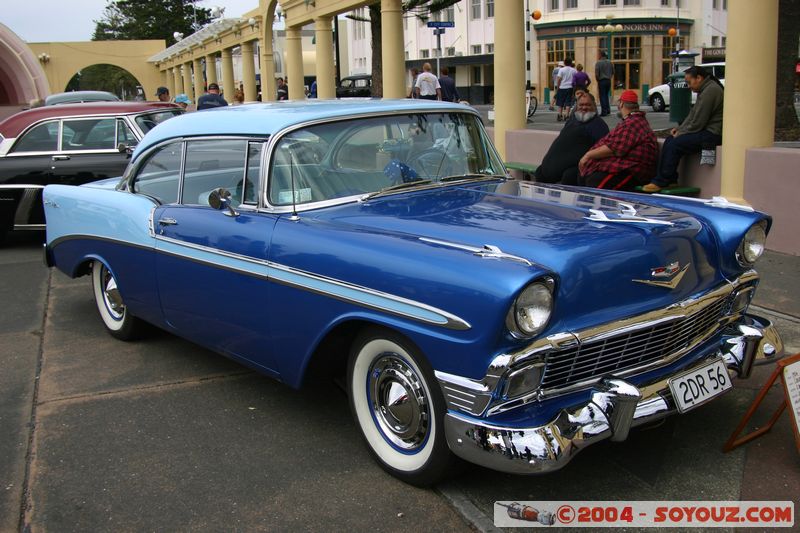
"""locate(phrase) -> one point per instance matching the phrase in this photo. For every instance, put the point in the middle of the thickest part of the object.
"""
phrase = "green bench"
(676, 190)
(527, 169)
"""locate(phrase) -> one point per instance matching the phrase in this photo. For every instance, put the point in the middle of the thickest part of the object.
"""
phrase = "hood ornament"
(672, 270)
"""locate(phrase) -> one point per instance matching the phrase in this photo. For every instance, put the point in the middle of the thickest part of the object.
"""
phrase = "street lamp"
(609, 29)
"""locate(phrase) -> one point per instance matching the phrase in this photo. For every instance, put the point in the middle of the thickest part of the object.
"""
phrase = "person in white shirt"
(566, 86)
(427, 86)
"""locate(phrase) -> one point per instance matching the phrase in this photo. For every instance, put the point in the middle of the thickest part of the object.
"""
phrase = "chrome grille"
(633, 349)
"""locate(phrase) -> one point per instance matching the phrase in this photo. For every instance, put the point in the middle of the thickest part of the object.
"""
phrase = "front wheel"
(657, 102)
(398, 407)
(116, 317)
(532, 106)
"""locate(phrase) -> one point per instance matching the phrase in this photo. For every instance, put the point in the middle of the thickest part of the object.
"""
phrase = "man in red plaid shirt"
(627, 156)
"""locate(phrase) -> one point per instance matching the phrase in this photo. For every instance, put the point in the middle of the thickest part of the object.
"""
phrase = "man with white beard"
(583, 129)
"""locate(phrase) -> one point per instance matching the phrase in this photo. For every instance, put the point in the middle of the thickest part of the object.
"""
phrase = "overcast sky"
(38, 21)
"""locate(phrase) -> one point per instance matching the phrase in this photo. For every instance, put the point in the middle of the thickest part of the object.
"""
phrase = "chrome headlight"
(752, 245)
(531, 310)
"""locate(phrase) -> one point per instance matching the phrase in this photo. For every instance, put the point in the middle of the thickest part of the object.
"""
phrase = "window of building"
(558, 50)
(489, 9)
(424, 53)
(450, 51)
(476, 75)
(450, 13)
(626, 54)
(724, 41)
(632, 2)
(553, 5)
(715, 4)
(477, 49)
(476, 9)
(665, 3)
(408, 55)
(669, 45)
(490, 48)
(725, 5)
(607, 3)
(571, 4)
(714, 40)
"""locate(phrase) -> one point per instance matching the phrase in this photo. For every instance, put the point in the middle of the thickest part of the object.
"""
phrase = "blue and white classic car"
(504, 322)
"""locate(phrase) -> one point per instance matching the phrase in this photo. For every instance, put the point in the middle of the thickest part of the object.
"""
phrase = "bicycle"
(531, 103)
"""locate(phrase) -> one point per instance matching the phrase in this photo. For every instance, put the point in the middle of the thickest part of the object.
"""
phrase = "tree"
(419, 9)
(150, 19)
(103, 77)
(788, 36)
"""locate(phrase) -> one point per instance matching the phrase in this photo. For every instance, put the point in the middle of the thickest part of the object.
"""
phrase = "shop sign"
(642, 27)
(714, 53)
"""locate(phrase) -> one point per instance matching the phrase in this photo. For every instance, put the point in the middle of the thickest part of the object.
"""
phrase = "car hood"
(582, 238)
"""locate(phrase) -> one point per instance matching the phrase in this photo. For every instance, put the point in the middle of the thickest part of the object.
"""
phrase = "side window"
(254, 151)
(159, 176)
(42, 138)
(88, 134)
(211, 165)
(124, 134)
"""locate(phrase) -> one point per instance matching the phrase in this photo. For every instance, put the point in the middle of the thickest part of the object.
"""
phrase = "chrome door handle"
(60, 158)
(167, 222)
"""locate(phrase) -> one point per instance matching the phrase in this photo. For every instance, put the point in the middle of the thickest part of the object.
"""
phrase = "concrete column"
(326, 77)
(187, 79)
(198, 78)
(509, 71)
(294, 63)
(177, 79)
(211, 68)
(751, 63)
(248, 72)
(267, 68)
(170, 76)
(227, 74)
(394, 71)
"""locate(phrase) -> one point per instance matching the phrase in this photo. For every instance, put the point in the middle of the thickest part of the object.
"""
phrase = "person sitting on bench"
(701, 128)
(581, 131)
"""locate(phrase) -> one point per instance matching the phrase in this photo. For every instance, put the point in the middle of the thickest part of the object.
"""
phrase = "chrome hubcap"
(111, 295)
(399, 403)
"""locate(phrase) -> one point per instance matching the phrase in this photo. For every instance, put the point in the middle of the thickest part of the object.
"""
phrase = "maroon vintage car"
(70, 144)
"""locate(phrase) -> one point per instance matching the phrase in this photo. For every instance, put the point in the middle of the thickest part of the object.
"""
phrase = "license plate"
(699, 385)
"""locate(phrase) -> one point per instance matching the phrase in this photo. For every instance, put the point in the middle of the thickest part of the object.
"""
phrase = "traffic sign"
(438, 31)
(442, 24)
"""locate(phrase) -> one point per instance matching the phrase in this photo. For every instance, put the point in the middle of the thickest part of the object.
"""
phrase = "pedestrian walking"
(582, 80)
(427, 86)
(566, 88)
(554, 77)
(449, 90)
(603, 72)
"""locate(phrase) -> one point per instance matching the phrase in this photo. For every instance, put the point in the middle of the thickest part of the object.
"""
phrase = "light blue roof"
(267, 119)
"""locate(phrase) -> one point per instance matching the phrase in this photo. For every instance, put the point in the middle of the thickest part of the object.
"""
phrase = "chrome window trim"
(450, 321)
(276, 138)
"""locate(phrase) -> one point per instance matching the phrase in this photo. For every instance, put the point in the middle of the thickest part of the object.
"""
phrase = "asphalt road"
(162, 435)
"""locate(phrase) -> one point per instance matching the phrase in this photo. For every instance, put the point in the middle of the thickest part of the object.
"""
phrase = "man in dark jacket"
(702, 127)
(211, 99)
(449, 91)
(581, 131)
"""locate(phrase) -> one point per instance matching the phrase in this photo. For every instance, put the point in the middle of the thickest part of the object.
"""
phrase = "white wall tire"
(398, 407)
(112, 309)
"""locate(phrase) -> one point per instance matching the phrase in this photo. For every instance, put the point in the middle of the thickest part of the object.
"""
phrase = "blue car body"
(441, 265)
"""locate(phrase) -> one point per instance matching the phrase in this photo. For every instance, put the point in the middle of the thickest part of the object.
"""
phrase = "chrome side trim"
(613, 407)
(325, 286)
(21, 186)
(488, 250)
(464, 394)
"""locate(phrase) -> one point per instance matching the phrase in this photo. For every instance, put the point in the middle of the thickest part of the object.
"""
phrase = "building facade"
(639, 44)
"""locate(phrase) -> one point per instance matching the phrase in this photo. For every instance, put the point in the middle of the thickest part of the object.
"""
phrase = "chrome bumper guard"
(614, 408)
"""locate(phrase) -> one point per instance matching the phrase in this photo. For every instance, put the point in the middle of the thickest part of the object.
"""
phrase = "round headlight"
(752, 245)
(531, 310)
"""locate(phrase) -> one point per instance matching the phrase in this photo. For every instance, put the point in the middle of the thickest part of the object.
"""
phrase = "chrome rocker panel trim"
(614, 408)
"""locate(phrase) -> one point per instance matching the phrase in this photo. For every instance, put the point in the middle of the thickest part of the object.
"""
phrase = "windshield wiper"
(471, 177)
(394, 188)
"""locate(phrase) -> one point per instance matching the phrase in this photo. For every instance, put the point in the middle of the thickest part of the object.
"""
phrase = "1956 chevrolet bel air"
(507, 323)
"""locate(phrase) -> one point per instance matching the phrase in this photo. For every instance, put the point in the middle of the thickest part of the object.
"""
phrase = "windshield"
(367, 155)
(151, 120)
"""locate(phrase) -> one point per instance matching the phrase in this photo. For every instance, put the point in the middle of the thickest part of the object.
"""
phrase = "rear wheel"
(398, 407)
(657, 102)
(116, 317)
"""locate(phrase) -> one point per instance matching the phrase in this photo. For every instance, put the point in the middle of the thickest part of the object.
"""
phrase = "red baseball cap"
(629, 96)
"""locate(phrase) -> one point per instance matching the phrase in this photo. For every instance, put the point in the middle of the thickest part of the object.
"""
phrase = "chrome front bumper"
(615, 406)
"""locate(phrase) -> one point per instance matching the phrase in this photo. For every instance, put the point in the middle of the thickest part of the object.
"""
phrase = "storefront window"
(626, 55)
(558, 50)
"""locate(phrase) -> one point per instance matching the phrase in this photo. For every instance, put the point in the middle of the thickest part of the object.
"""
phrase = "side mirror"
(220, 199)
(125, 148)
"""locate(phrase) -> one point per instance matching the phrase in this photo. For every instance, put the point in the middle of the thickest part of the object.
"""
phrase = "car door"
(88, 151)
(211, 264)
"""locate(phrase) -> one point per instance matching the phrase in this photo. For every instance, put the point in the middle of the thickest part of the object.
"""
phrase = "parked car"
(360, 86)
(70, 143)
(509, 323)
(77, 97)
(658, 96)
